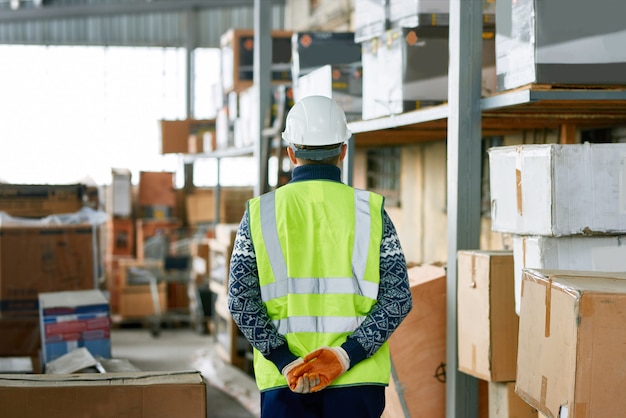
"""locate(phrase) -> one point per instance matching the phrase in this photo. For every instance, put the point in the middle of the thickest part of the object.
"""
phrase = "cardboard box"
(572, 342)
(185, 136)
(48, 258)
(137, 301)
(418, 346)
(128, 394)
(407, 69)
(19, 336)
(40, 200)
(72, 319)
(311, 50)
(157, 195)
(555, 190)
(504, 402)
(596, 253)
(200, 205)
(341, 82)
(370, 19)
(119, 196)
(487, 323)
(237, 47)
(120, 236)
(534, 46)
(413, 13)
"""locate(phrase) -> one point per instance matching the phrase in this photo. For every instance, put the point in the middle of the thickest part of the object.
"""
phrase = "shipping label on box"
(487, 322)
(572, 343)
(555, 190)
(596, 253)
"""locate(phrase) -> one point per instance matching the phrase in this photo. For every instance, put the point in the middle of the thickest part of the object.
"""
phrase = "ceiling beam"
(91, 10)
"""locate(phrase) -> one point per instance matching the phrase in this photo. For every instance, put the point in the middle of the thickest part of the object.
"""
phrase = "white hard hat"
(316, 121)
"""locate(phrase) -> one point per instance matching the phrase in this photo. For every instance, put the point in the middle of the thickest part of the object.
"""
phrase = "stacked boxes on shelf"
(562, 204)
(535, 46)
(230, 343)
(488, 328)
(328, 64)
(406, 66)
(120, 229)
(187, 136)
(572, 342)
(47, 244)
(201, 206)
(237, 121)
(342, 83)
(237, 48)
(41, 200)
(157, 196)
(73, 319)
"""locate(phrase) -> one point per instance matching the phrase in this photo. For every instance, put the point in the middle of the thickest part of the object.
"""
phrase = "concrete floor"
(230, 392)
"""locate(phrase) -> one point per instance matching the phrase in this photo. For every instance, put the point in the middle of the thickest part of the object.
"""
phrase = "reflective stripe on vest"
(345, 300)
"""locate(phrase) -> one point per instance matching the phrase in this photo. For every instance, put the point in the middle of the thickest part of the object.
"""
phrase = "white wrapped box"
(599, 253)
(556, 190)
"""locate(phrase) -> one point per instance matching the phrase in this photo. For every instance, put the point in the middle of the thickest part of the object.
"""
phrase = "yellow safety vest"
(317, 246)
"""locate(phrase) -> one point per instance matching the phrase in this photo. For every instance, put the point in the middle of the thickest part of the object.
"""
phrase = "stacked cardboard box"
(572, 342)
(237, 48)
(201, 205)
(43, 258)
(341, 82)
(488, 328)
(534, 46)
(405, 54)
(187, 136)
(157, 195)
(41, 200)
(407, 68)
(73, 319)
(562, 205)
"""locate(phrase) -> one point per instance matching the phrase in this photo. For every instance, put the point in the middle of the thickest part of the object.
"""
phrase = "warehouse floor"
(230, 392)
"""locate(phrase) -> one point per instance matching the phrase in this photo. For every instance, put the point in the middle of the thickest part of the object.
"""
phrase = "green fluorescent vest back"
(317, 245)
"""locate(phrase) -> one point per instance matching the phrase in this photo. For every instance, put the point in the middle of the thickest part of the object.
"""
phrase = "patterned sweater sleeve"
(245, 303)
(393, 303)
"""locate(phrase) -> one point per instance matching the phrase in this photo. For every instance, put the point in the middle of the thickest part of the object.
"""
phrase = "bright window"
(71, 113)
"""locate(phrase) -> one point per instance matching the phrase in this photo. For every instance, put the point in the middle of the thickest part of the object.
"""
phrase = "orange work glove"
(300, 382)
(322, 366)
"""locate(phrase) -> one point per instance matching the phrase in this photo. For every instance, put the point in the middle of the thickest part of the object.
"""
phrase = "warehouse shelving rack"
(462, 123)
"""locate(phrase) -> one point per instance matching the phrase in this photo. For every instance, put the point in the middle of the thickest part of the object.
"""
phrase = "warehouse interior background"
(92, 92)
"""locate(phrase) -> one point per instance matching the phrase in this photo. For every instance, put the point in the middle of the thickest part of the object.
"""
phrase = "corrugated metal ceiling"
(158, 23)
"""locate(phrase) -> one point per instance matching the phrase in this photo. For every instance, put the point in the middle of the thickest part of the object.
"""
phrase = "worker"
(318, 280)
